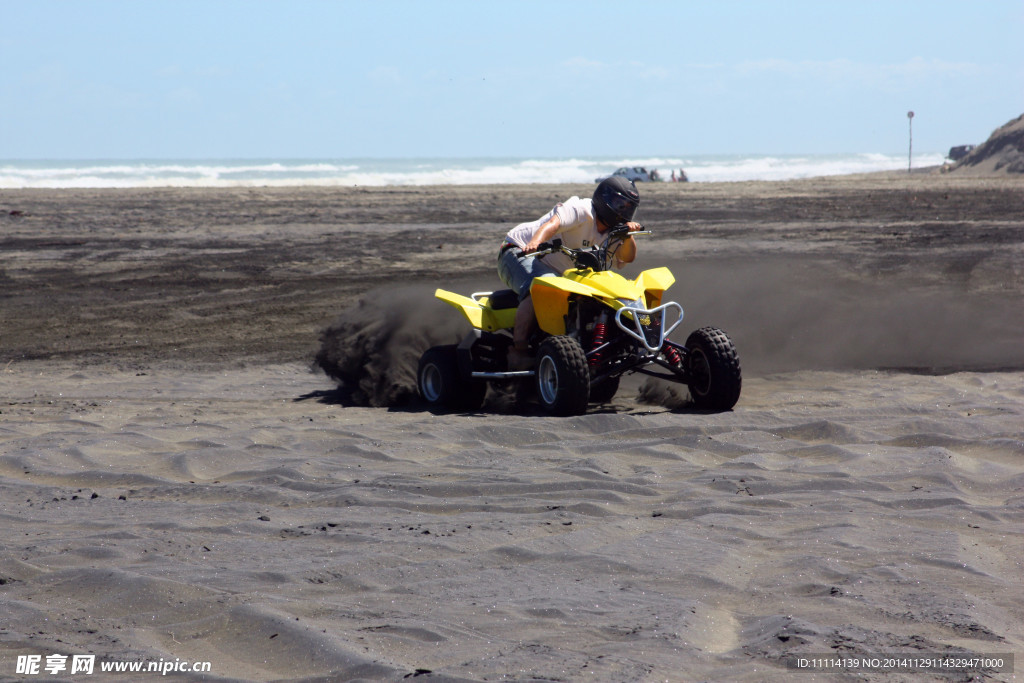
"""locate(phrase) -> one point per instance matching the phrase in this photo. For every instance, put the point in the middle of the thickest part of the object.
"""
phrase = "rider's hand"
(631, 226)
(543, 234)
(627, 251)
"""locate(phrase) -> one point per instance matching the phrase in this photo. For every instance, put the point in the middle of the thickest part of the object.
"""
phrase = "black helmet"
(615, 201)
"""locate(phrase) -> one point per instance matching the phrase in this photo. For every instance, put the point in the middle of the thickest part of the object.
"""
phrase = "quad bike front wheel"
(441, 385)
(712, 369)
(563, 376)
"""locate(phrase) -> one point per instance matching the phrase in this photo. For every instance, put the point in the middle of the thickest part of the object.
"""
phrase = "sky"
(208, 79)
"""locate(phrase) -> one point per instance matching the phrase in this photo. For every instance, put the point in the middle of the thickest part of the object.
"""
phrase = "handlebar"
(545, 248)
(617, 234)
(621, 231)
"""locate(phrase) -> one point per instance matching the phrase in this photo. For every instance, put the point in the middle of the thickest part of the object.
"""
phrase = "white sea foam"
(380, 172)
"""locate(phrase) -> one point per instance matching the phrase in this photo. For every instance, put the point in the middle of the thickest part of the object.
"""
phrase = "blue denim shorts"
(517, 271)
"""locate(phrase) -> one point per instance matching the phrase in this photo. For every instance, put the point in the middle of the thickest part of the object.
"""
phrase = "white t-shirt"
(577, 229)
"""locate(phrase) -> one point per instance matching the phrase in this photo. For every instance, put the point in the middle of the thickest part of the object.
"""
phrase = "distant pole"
(910, 150)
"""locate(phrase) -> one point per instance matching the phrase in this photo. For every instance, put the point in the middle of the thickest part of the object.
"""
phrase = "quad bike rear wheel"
(713, 369)
(563, 376)
(441, 385)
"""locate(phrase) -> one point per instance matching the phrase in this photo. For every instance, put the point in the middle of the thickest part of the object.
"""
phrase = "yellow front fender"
(655, 281)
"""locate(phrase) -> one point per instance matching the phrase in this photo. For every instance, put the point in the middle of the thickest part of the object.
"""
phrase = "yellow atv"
(594, 326)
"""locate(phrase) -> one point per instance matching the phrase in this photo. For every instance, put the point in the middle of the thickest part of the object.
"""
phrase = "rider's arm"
(627, 251)
(544, 233)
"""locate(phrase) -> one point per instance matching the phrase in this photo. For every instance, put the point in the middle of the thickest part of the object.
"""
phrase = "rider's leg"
(519, 357)
(517, 272)
(526, 323)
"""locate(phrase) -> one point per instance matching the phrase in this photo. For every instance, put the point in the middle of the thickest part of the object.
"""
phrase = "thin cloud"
(846, 70)
(583, 63)
(582, 66)
(385, 75)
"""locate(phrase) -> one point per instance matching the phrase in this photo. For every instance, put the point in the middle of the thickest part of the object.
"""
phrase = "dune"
(1002, 153)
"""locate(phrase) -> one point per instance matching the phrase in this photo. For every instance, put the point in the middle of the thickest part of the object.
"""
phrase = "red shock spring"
(671, 354)
(600, 332)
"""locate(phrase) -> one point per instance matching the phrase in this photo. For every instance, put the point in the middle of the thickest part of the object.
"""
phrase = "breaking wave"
(383, 172)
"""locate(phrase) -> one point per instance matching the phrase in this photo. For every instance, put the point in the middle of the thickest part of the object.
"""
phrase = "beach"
(181, 481)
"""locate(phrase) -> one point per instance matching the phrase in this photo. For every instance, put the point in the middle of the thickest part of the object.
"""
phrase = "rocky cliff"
(1002, 153)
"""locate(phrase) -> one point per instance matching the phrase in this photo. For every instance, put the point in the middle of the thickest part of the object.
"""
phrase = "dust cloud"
(783, 313)
(372, 349)
(787, 314)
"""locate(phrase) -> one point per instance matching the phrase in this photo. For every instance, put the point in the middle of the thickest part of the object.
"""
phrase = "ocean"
(382, 172)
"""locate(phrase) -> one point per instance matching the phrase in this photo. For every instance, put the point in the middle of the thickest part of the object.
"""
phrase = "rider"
(579, 223)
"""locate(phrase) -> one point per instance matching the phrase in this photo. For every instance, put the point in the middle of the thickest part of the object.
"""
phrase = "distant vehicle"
(638, 174)
(959, 152)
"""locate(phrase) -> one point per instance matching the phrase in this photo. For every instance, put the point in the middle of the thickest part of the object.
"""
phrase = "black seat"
(504, 298)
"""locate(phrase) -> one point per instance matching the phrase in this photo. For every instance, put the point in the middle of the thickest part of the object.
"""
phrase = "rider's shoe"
(519, 359)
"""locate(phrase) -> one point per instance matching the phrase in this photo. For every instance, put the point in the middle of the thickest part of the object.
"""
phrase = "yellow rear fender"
(478, 311)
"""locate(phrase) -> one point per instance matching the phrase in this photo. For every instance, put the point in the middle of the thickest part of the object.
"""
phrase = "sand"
(180, 482)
